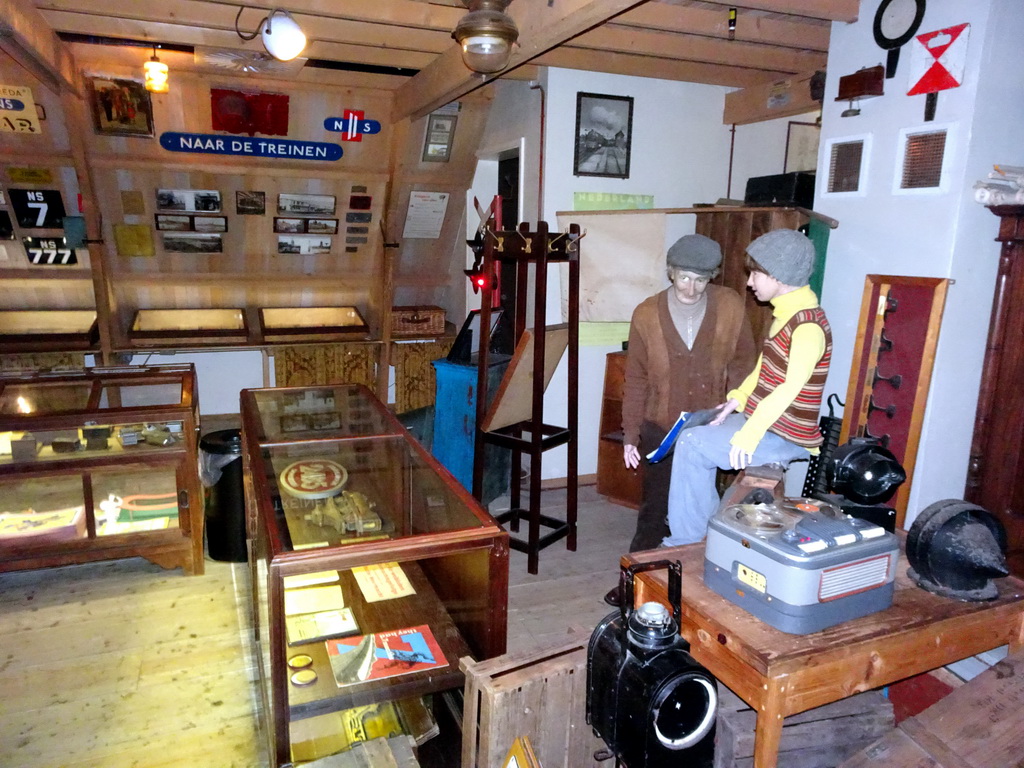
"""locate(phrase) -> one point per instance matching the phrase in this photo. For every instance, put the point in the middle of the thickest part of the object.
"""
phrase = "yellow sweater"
(806, 350)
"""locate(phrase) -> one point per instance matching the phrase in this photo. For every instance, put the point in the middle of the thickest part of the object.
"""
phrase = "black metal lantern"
(865, 472)
(647, 698)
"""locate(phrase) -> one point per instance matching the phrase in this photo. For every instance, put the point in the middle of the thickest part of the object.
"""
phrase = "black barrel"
(225, 500)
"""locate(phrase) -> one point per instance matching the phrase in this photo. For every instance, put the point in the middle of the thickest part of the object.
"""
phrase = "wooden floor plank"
(126, 665)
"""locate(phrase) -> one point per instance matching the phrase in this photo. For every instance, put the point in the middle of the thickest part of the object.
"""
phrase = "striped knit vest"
(799, 423)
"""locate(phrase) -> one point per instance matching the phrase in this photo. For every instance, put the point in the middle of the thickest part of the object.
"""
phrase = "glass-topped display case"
(99, 464)
(373, 570)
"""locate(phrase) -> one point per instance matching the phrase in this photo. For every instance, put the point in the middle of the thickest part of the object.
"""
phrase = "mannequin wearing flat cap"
(688, 345)
(772, 416)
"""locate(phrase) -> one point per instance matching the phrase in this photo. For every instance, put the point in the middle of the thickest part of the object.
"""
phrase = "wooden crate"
(538, 694)
(818, 738)
(417, 321)
(979, 725)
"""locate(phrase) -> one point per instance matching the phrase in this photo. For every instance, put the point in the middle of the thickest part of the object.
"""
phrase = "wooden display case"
(41, 330)
(194, 327)
(282, 324)
(100, 464)
(404, 571)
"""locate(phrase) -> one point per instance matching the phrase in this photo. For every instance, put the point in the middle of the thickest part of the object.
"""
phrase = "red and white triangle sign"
(938, 60)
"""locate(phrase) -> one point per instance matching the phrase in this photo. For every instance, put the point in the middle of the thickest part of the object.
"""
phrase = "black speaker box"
(796, 189)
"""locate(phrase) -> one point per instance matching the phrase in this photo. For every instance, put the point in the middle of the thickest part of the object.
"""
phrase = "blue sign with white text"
(218, 144)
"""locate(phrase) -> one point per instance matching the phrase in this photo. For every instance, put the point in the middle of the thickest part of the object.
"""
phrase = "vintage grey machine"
(800, 565)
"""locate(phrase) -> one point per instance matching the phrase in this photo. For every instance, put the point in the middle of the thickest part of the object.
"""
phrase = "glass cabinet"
(100, 464)
(373, 570)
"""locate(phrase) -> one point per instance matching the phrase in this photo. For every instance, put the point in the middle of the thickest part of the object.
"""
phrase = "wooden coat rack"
(515, 419)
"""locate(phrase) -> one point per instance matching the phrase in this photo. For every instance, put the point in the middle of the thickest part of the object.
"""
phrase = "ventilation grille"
(853, 577)
(922, 160)
(844, 166)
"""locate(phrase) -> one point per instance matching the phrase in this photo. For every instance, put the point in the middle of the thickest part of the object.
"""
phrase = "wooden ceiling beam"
(612, 37)
(193, 35)
(406, 14)
(829, 10)
(75, 15)
(27, 38)
(649, 66)
(808, 34)
(543, 25)
(768, 101)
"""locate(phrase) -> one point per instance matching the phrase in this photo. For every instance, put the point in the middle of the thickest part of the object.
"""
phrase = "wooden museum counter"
(779, 674)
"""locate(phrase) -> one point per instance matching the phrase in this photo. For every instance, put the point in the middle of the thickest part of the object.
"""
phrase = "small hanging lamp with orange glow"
(156, 75)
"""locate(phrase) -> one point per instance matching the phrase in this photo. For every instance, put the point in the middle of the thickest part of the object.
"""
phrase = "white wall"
(220, 376)
(760, 150)
(936, 233)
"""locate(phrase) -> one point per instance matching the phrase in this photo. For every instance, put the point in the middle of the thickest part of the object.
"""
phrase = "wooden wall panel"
(430, 271)
(35, 293)
(186, 108)
(53, 137)
(248, 272)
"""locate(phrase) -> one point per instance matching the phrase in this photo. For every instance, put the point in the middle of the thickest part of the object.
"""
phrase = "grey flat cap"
(785, 254)
(695, 253)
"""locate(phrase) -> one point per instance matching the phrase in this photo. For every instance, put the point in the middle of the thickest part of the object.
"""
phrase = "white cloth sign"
(622, 262)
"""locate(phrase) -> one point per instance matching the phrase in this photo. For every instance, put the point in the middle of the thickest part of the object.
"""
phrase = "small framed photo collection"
(303, 244)
(316, 226)
(193, 242)
(174, 222)
(305, 205)
(188, 200)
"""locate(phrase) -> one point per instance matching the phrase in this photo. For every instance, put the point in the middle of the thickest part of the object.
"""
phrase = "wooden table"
(779, 674)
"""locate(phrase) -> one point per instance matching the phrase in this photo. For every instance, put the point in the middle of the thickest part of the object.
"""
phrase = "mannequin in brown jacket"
(688, 346)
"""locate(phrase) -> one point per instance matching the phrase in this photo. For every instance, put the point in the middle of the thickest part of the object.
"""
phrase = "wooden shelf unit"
(614, 479)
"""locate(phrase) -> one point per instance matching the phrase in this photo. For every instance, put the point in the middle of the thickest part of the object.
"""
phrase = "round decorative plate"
(313, 479)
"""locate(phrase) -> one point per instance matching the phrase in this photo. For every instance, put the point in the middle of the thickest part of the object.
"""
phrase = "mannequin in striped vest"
(772, 417)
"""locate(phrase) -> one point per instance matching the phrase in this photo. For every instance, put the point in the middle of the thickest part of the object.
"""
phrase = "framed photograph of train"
(604, 131)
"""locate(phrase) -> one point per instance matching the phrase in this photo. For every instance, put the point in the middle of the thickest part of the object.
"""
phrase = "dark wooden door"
(995, 475)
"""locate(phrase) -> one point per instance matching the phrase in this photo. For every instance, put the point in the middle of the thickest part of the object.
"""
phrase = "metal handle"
(675, 586)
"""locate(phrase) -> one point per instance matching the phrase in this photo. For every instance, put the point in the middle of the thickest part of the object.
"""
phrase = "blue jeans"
(692, 496)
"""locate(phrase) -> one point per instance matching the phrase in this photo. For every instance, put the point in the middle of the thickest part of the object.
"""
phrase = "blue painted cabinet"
(454, 423)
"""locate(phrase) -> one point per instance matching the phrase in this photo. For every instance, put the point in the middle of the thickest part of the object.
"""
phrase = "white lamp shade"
(282, 36)
(486, 53)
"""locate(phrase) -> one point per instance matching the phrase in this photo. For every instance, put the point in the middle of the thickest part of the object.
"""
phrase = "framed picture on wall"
(169, 222)
(250, 203)
(801, 147)
(604, 131)
(190, 242)
(299, 205)
(120, 107)
(188, 200)
(437, 144)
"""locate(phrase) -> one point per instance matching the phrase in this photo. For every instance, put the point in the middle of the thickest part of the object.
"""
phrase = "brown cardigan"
(663, 377)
